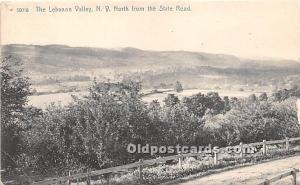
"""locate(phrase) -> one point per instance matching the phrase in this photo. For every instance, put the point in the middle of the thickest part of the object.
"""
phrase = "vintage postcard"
(150, 92)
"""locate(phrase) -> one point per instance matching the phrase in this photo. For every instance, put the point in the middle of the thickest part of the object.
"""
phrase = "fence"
(292, 172)
(141, 163)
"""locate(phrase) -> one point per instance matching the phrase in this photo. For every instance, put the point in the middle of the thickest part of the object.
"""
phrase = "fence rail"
(280, 176)
(141, 163)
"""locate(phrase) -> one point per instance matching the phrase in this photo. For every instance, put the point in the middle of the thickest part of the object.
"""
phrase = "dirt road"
(251, 174)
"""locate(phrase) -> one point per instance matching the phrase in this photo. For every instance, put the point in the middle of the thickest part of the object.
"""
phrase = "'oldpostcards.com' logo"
(152, 150)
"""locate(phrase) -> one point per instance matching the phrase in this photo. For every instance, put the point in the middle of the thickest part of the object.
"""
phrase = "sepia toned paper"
(150, 92)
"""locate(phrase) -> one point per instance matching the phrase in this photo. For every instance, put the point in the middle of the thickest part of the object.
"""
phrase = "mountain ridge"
(129, 55)
(61, 63)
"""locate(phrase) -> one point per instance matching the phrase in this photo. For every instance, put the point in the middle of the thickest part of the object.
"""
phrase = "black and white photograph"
(150, 92)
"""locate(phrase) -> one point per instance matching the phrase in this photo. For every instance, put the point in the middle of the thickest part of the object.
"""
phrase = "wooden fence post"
(180, 160)
(264, 147)
(69, 182)
(141, 170)
(77, 180)
(294, 179)
(88, 178)
(287, 144)
(241, 147)
(215, 158)
(109, 177)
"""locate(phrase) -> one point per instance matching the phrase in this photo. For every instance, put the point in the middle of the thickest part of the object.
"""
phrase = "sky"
(251, 29)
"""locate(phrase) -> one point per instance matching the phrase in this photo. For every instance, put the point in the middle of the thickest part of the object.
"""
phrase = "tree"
(295, 91)
(263, 97)
(281, 95)
(201, 104)
(226, 103)
(252, 98)
(215, 103)
(182, 125)
(178, 87)
(171, 100)
(196, 104)
(14, 93)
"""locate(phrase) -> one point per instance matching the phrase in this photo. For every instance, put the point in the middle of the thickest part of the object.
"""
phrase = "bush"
(255, 121)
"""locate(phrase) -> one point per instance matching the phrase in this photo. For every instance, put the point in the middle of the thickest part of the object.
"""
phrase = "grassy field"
(42, 101)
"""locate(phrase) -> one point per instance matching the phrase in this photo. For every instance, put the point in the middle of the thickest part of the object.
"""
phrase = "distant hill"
(153, 67)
